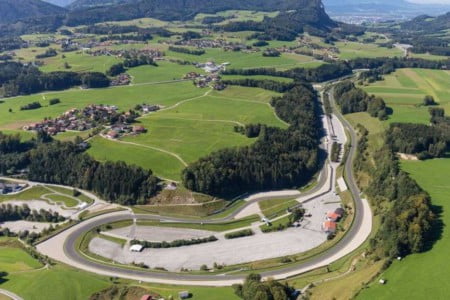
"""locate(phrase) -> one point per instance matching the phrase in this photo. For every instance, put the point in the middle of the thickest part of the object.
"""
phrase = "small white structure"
(136, 248)
(82, 205)
(382, 281)
(184, 295)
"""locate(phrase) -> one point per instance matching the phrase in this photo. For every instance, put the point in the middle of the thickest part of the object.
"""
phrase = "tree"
(429, 100)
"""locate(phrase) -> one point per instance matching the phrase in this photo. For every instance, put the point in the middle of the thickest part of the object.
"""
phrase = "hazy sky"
(430, 1)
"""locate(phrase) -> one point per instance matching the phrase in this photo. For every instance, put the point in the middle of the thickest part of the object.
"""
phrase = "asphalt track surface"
(351, 240)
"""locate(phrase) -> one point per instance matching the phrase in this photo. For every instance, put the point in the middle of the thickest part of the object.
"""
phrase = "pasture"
(424, 275)
(181, 134)
(350, 50)
(403, 91)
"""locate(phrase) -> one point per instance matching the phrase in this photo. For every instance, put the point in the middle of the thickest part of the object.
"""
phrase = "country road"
(62, 246)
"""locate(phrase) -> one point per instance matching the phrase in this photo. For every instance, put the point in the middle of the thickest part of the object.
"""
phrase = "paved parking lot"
(257, 247)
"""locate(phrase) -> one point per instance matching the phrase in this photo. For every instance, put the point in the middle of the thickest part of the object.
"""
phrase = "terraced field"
(404, 90)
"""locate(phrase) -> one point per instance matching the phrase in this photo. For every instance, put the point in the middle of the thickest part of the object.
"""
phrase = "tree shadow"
(2, 277)
(436, 230)
(389, 111)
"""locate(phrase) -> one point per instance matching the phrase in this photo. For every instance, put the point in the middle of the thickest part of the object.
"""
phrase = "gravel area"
(18, 226)
(40, 204)
(257, 247)
(159, 234)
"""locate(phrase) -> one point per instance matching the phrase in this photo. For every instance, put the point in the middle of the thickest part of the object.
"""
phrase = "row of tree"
(266, 84)
(176, 243)
(10, 212)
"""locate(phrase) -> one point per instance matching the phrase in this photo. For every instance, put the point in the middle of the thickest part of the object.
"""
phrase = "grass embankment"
(235, 224)
(59, 195)
(275, 207)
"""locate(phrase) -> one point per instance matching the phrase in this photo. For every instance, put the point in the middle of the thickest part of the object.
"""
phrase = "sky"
(430, 1)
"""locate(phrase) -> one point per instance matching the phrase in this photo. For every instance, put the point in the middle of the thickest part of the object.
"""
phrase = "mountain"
(184, 9)
(79, 4)
(384, 9)
(13, 10)
(62, 3)
(424, 23)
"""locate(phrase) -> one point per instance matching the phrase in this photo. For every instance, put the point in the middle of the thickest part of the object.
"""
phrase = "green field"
(183, 133)
(422, 276)
(61, 196)
(275, 207)
(230, 225)
(165, 71)
(404, 90)
(125, 98)
(350, 50)
(16, 260)
(239, 60)
(28, 279)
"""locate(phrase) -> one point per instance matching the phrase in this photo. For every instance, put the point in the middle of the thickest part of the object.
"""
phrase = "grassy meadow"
(403, 91)
(183, 133)
(350, 50)
(424, 275)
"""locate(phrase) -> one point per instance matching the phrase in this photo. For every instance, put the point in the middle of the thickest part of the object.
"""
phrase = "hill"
(428, 24)
(79, 4)
(13, 10)
(381, 8)
(61, 3)
(181, 9)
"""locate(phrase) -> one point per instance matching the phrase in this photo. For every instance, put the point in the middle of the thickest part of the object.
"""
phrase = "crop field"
(349, 50)
(404, 90)
(424, 275)
(183, 133)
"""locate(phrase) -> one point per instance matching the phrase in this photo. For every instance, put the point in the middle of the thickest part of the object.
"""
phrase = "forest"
(10, 212)
(280, 158)
(18, 79)
(254, 288)
(408, 218)
(352, 99)
(65, 163)
(426, 141)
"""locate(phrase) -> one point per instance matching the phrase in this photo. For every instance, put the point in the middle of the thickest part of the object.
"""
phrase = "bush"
(238, 234)
(54, 101)
(30, 106)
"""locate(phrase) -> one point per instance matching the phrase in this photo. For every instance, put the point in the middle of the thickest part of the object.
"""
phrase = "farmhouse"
(112, 134)
(139, 129)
